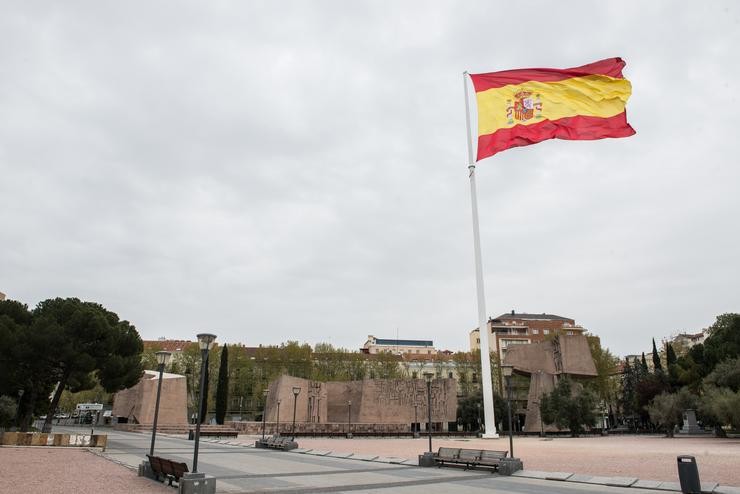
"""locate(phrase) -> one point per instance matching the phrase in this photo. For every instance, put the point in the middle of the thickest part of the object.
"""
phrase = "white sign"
(89, 406)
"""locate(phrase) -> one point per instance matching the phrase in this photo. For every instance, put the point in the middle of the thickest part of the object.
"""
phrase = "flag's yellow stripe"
(593, 95)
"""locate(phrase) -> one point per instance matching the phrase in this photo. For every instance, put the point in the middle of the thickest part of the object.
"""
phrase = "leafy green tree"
(657, 366)
(628, 401)
(569, 406)
(8, 409)
(720, 406)
(88, 339)
(222, 389)
(606, 383)
(470, 410)
(666, 409)
(726, 374)
(723, 341)
(25, 363)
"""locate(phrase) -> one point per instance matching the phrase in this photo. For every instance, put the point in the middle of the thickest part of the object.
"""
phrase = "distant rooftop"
(543, 316)
(394, 342)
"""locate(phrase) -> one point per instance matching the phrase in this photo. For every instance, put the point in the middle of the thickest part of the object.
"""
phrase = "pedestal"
(426, 460)
(507, 466)
(145, 470)
(197, 483)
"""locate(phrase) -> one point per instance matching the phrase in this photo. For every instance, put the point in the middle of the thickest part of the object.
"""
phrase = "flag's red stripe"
(571, 128)
(611, 67)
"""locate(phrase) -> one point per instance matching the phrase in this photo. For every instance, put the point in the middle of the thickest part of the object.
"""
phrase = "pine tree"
(656, 359)
(222, 388)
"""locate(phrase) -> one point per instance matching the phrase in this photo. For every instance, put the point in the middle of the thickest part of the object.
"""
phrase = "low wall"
(255, 428)
(54, 439)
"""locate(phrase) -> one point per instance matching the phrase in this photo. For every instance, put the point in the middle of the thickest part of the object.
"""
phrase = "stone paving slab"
(319, 452)
(301, 450)
(620, 481)
(390, 459)
(558, 475)
(669, 486)
(364, 457)
(708, 486)
(726, 489)
(647, 484)
(339, 454)
(531, 474)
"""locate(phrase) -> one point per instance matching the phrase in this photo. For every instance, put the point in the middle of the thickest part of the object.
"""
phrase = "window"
(417, 350)
(570, 333)
(414, 375)
(449, 374)
(545, 331)
(535, 331)
(477, 340)
(429, 352)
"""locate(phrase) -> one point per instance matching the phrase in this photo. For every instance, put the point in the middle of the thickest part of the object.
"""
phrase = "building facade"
(398, 347)
(512, 329)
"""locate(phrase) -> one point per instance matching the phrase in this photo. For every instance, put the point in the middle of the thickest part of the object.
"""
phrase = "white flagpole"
(485, 359)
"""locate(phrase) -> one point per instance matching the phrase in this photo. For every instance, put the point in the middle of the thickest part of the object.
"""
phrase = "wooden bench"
(170, 470)
(471, 458)
(491, 459)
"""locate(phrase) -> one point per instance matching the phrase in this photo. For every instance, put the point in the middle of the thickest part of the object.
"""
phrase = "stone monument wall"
(374, 401)
(137, 403)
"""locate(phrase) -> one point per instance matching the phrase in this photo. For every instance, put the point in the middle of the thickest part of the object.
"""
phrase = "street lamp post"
(349, 419)
(205, 342)
(416, 421)
(296, 392)
(480, 420)
(428, 376)
(163, 359)
(507, 371)
(427, 459)
(277, 424)
(264, 413)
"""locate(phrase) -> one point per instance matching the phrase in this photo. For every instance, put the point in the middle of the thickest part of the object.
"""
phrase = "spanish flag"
(526, 106)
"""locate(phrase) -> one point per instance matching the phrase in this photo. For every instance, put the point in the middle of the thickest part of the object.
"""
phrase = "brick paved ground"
(38, 470)
(645, 457)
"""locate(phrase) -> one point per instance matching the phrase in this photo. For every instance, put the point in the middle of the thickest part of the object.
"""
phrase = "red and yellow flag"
(526, 106)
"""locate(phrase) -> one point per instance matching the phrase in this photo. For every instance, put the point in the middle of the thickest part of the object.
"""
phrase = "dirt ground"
(39, 470)
(644, 457)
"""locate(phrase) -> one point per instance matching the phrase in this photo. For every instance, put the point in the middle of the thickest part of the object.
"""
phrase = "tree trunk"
(719, 431)
(55, 402)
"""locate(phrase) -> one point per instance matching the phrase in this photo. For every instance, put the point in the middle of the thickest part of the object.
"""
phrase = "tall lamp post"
(428, 376)
(205, 342)
(264, 413)
(427, 459)
(349, 419)
(507, 371)
(296, 392)
(415, 428)
(277, 424)
(163, 358)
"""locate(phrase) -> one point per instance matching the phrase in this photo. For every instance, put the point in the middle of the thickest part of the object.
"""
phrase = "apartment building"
(521, 328)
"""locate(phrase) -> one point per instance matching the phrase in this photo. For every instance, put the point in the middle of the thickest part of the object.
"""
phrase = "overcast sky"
(272, 171)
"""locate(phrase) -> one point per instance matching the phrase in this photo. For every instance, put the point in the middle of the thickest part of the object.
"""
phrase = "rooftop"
(395, 342)
(543, 316)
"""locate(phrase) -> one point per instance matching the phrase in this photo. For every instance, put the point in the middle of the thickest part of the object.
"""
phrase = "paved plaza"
(240, 468)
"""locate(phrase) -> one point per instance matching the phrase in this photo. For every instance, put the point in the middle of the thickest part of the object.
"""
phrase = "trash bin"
(688, 475)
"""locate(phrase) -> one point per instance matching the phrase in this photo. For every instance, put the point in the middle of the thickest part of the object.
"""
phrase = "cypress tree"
(644, 364)
(222, 388)
(670, 355)
(656, 359)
